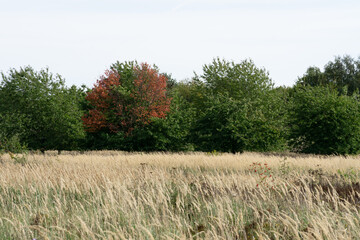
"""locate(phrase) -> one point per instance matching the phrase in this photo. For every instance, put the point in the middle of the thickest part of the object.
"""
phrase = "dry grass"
(114, 195)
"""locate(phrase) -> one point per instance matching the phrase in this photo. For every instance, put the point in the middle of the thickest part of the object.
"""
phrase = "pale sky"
(80, 39)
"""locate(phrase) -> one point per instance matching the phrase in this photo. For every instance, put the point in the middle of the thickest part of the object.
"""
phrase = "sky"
(80, 39)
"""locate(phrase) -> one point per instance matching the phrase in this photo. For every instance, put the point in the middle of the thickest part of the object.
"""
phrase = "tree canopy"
(43, 111)
(342, 74)
(323, 122)
(127, 96)
(229, 107)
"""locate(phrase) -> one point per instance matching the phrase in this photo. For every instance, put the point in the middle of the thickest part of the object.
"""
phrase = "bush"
(228, 125)
(322, 122)
(12, 145)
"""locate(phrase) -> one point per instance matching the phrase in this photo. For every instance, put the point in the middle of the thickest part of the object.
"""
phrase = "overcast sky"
(80, 39)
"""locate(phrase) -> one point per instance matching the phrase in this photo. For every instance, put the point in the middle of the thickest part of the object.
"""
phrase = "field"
(115, 195)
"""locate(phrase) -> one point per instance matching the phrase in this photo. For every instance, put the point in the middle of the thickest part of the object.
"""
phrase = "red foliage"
(120, 108)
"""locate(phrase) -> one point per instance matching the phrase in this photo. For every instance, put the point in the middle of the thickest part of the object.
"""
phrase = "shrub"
(12, 144)
(233, 126)
(322, 122)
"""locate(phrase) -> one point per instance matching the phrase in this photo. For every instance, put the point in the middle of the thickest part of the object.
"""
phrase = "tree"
(45, 114)
(313, 77)
(229, 125)
(126, 97)
(165, 134)
(322, 122)
(236, 108)
(343, 72)
(236, 80)
(216, 129)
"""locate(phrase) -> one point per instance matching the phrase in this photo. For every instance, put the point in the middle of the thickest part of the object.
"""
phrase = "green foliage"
(237, 109)
(214, 130)
(11, 127)
(313, 77)
(168, 134)
(236, 80)
(228, 125)
(126, 71)
(230, 107)
(322, 122)
(11, 144)
(46, 114)
(340, 73)
(351, 174)
(194, 94)
(213, 153)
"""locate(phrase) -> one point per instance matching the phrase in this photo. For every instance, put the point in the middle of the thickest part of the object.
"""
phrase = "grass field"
(114, 195)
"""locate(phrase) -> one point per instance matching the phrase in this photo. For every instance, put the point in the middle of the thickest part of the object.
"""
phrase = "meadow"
(117, 195)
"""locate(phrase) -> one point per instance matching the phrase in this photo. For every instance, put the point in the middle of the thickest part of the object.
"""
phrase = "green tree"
(48, 114)
(229, 125)
(313, 77)
(194, 93)
(236, 80)
(322, 122)
(237, 108)
(218, 127)
(168, 134)
(342, 74)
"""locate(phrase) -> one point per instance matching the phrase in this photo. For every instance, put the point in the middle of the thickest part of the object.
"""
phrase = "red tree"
(121, 103)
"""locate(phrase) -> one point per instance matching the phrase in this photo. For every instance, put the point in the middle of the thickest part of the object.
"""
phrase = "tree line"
(229, 107)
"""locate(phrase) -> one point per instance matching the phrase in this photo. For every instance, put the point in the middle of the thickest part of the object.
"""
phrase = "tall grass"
(114, 195)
